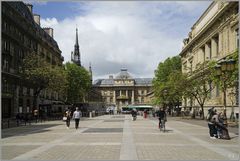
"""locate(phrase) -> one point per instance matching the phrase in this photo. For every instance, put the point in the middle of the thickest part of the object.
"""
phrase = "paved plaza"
(116, 137)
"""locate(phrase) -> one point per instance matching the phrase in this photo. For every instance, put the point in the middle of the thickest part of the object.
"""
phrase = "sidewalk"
(231, 128)
(115, 137)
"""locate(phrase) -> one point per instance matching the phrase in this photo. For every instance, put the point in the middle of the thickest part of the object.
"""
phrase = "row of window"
(209, 50)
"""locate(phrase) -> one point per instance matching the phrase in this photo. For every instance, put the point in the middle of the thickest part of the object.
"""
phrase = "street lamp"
(232, 94)
(222, 67)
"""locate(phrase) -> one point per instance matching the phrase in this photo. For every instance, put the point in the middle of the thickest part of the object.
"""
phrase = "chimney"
(49, 31)
(37, 19)
(29, 7)
(110, 76)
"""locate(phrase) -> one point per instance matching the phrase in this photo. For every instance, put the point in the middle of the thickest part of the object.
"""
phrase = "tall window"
(191, 66)
(237, 37)
(217, 90)
(216, 40)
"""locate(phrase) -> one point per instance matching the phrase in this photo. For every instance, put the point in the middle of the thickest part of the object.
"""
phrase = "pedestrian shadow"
(233, 137)
(168, 131)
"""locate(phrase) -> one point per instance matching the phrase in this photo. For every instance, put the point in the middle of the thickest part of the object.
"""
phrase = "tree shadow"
(27, 130)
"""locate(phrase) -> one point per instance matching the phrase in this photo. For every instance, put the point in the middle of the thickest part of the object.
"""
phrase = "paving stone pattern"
(115, 138)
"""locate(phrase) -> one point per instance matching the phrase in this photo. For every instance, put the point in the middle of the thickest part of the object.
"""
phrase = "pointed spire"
(76, 53)
(76, 43)
(90, 70)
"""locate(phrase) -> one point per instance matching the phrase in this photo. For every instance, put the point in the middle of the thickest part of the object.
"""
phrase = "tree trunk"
(202, 112)
(224, 99)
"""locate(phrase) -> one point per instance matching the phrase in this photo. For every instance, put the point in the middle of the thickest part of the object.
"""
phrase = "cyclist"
(162, 116)
(134, 114)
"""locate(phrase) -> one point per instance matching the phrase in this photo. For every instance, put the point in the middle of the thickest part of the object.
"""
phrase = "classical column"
(120, 92)
(132, 100)
(214, 47)
(114, 96)
(207, 52)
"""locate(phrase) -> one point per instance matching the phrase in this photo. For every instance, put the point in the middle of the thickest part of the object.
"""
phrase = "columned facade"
(123, 90)
(213, 37)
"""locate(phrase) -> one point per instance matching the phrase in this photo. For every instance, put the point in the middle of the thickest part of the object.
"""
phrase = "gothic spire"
(90, 70)
(76, 53)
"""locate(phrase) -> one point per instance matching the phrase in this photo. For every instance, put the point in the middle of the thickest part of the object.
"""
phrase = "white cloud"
(49, 22)
(112, 35)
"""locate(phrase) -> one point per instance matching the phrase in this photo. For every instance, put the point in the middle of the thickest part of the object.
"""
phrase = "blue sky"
(114, 34)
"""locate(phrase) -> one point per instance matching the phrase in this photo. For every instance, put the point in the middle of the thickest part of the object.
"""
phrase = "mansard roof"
(143, 81)
(24, 11)
(110, 82)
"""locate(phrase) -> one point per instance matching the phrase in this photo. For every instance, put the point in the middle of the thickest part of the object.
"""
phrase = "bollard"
(90, 114)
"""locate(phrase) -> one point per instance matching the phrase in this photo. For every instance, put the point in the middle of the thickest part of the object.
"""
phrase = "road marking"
(45, 147)
(128, 148)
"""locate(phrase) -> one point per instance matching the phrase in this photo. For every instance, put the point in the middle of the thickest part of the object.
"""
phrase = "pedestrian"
(211, 124)
(67, 114)
(216, 123)
(200, 113)
(35, 114)
(223, 126)
(18, 118)
(76, 116)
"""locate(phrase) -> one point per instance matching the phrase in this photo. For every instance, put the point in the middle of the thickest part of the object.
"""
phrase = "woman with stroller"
(221, 128)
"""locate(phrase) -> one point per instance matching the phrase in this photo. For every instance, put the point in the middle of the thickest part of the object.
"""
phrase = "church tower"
(90, 71)
(75, 56)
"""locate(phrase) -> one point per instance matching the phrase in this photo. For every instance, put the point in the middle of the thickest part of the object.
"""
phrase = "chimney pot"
(29, 7)
(37, 19)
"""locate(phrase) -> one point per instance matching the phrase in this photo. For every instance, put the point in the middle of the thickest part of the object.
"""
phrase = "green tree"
(165, 84)
(79, 83)
(198, 84)
(42, 75)
(226, 78)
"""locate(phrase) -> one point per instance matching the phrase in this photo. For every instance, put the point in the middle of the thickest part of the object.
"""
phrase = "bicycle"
(162, 125)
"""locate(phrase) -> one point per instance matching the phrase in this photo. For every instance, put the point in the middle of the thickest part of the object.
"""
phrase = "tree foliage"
(166, 83)
(198, 84)
(42, 75)
(79, 82)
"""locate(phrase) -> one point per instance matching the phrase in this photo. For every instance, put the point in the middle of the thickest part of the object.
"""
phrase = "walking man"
(68, 115)
(76, 116)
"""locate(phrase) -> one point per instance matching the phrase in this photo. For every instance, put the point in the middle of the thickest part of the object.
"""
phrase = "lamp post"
(224, 68)
(232, 94)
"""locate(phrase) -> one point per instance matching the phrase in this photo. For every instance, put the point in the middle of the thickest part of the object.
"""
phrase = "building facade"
(22, 35)
(213, 37)
(123, 90)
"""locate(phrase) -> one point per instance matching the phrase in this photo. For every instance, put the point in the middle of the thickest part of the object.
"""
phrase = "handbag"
(64, 118)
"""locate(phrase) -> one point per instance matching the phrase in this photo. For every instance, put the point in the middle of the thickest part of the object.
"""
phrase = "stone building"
(123, 90)
(214, 36)
(22, 35)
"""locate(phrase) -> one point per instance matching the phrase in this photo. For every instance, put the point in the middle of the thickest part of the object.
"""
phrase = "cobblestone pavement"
(115, 138)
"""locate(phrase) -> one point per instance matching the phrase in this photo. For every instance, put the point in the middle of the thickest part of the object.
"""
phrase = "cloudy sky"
(127, 34)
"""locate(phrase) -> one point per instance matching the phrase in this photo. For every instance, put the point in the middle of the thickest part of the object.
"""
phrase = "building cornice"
(207, 25)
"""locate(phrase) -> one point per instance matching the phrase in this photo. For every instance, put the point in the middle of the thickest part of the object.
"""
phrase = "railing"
(25, 120)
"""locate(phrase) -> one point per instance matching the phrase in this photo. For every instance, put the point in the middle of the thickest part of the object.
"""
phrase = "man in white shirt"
(76, 116)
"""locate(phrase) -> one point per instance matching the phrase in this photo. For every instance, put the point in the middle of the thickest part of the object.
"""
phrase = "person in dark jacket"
(161, 116)
(134, 114)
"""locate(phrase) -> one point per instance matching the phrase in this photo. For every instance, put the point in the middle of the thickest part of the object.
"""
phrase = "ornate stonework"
(213, 36)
